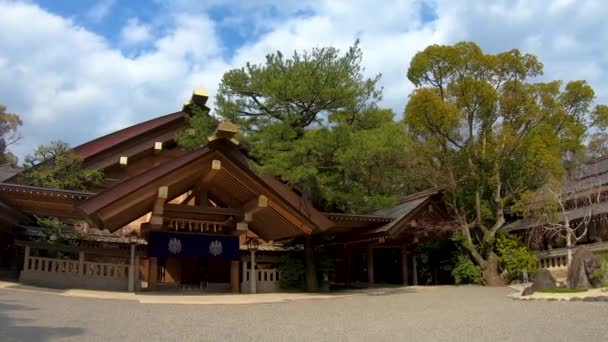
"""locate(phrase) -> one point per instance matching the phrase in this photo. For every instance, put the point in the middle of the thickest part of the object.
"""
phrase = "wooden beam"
(242, 228)
(254, 206)
(188, 198)
(296, 217)
(216, 165)
(203, 210)
(159, 204)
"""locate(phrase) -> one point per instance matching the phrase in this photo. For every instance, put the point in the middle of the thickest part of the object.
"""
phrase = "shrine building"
(167, 218)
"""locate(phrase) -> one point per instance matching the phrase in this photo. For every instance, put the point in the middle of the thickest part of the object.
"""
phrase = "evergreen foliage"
(9, 123)
(292, 272)
(57, 166)
(514, 256)
(202, 126)
(313, 121)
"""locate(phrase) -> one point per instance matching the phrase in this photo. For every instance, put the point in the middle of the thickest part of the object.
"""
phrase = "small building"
(585, 206)
(169, 218)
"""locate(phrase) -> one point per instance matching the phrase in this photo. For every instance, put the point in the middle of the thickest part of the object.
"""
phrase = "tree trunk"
(490, 274)
(569, 246)
(312, 284)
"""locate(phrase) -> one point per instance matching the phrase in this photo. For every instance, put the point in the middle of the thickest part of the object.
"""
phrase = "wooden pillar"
(245, 272)
(370, 265)
(312, 285)
(348, 267)
(152, 273)
(404, 270)
(137, 276)
(132, 269)
(26, 259)
(414, 270)
(234, 276)
(81, 263)
(253, 275)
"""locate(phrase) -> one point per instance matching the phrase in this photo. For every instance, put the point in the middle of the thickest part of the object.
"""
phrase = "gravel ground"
(430, 314)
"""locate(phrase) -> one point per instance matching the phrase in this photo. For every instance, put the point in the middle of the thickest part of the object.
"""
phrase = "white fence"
(556, 261)
(75, 274)
(558, 258)
(267, 281)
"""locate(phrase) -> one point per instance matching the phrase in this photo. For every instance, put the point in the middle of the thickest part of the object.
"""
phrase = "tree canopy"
(297, 92)
(9, 123)
(313, 121)
(56, 166)
(489, 132)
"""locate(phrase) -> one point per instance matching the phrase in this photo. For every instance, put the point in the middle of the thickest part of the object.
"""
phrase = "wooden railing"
(269, 276)
(38, 264)
(97, 269)
(191, 225)
(85, 268)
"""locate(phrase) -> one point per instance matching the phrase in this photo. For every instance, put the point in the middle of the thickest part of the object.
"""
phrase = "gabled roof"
(287, 215)
(418, 215)
(407, 206)
(108, 141)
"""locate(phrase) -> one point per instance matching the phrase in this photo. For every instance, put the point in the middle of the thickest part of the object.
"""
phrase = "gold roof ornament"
(225, 130)
(199, 97)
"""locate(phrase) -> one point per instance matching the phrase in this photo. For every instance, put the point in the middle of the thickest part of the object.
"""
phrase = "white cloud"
(135, 32)
(100, 10)
(86, 86)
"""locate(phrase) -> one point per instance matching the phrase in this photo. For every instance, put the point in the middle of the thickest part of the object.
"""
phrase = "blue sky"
(78, 69)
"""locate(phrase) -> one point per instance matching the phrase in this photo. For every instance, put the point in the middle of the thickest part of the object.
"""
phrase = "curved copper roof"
(105, 142)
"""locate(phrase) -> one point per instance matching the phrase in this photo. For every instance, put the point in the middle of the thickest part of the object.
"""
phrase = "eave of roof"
(574, 214)
(44, 192)
(357, 217)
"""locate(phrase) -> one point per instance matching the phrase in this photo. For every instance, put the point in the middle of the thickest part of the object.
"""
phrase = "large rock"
(542, 280)
(583, 264)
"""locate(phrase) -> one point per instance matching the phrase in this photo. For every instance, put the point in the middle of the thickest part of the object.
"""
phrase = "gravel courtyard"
(429, 314)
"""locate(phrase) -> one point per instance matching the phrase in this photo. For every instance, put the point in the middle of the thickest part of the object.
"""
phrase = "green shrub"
(601, 273)
(514, 256)
(465, 271)
(293, 272)
(561, 289)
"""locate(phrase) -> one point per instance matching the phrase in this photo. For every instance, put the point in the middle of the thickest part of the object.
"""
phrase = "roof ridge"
(423, 193)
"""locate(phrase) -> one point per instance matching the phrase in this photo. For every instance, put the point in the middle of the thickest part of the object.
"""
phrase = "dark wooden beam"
(177, 208)
(253, 207)
(159, 206)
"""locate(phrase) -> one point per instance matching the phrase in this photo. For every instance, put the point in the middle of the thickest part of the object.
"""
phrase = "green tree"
(9, 123)
(514, 257)
(344, 167)
(312, 120)
(56, 166)
(597, 146)
(296, 93)
(201, 128)
(489, 133)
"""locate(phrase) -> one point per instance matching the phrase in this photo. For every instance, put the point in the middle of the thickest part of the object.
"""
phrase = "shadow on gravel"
(20, 329)
(36, 288)
(388, 292)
